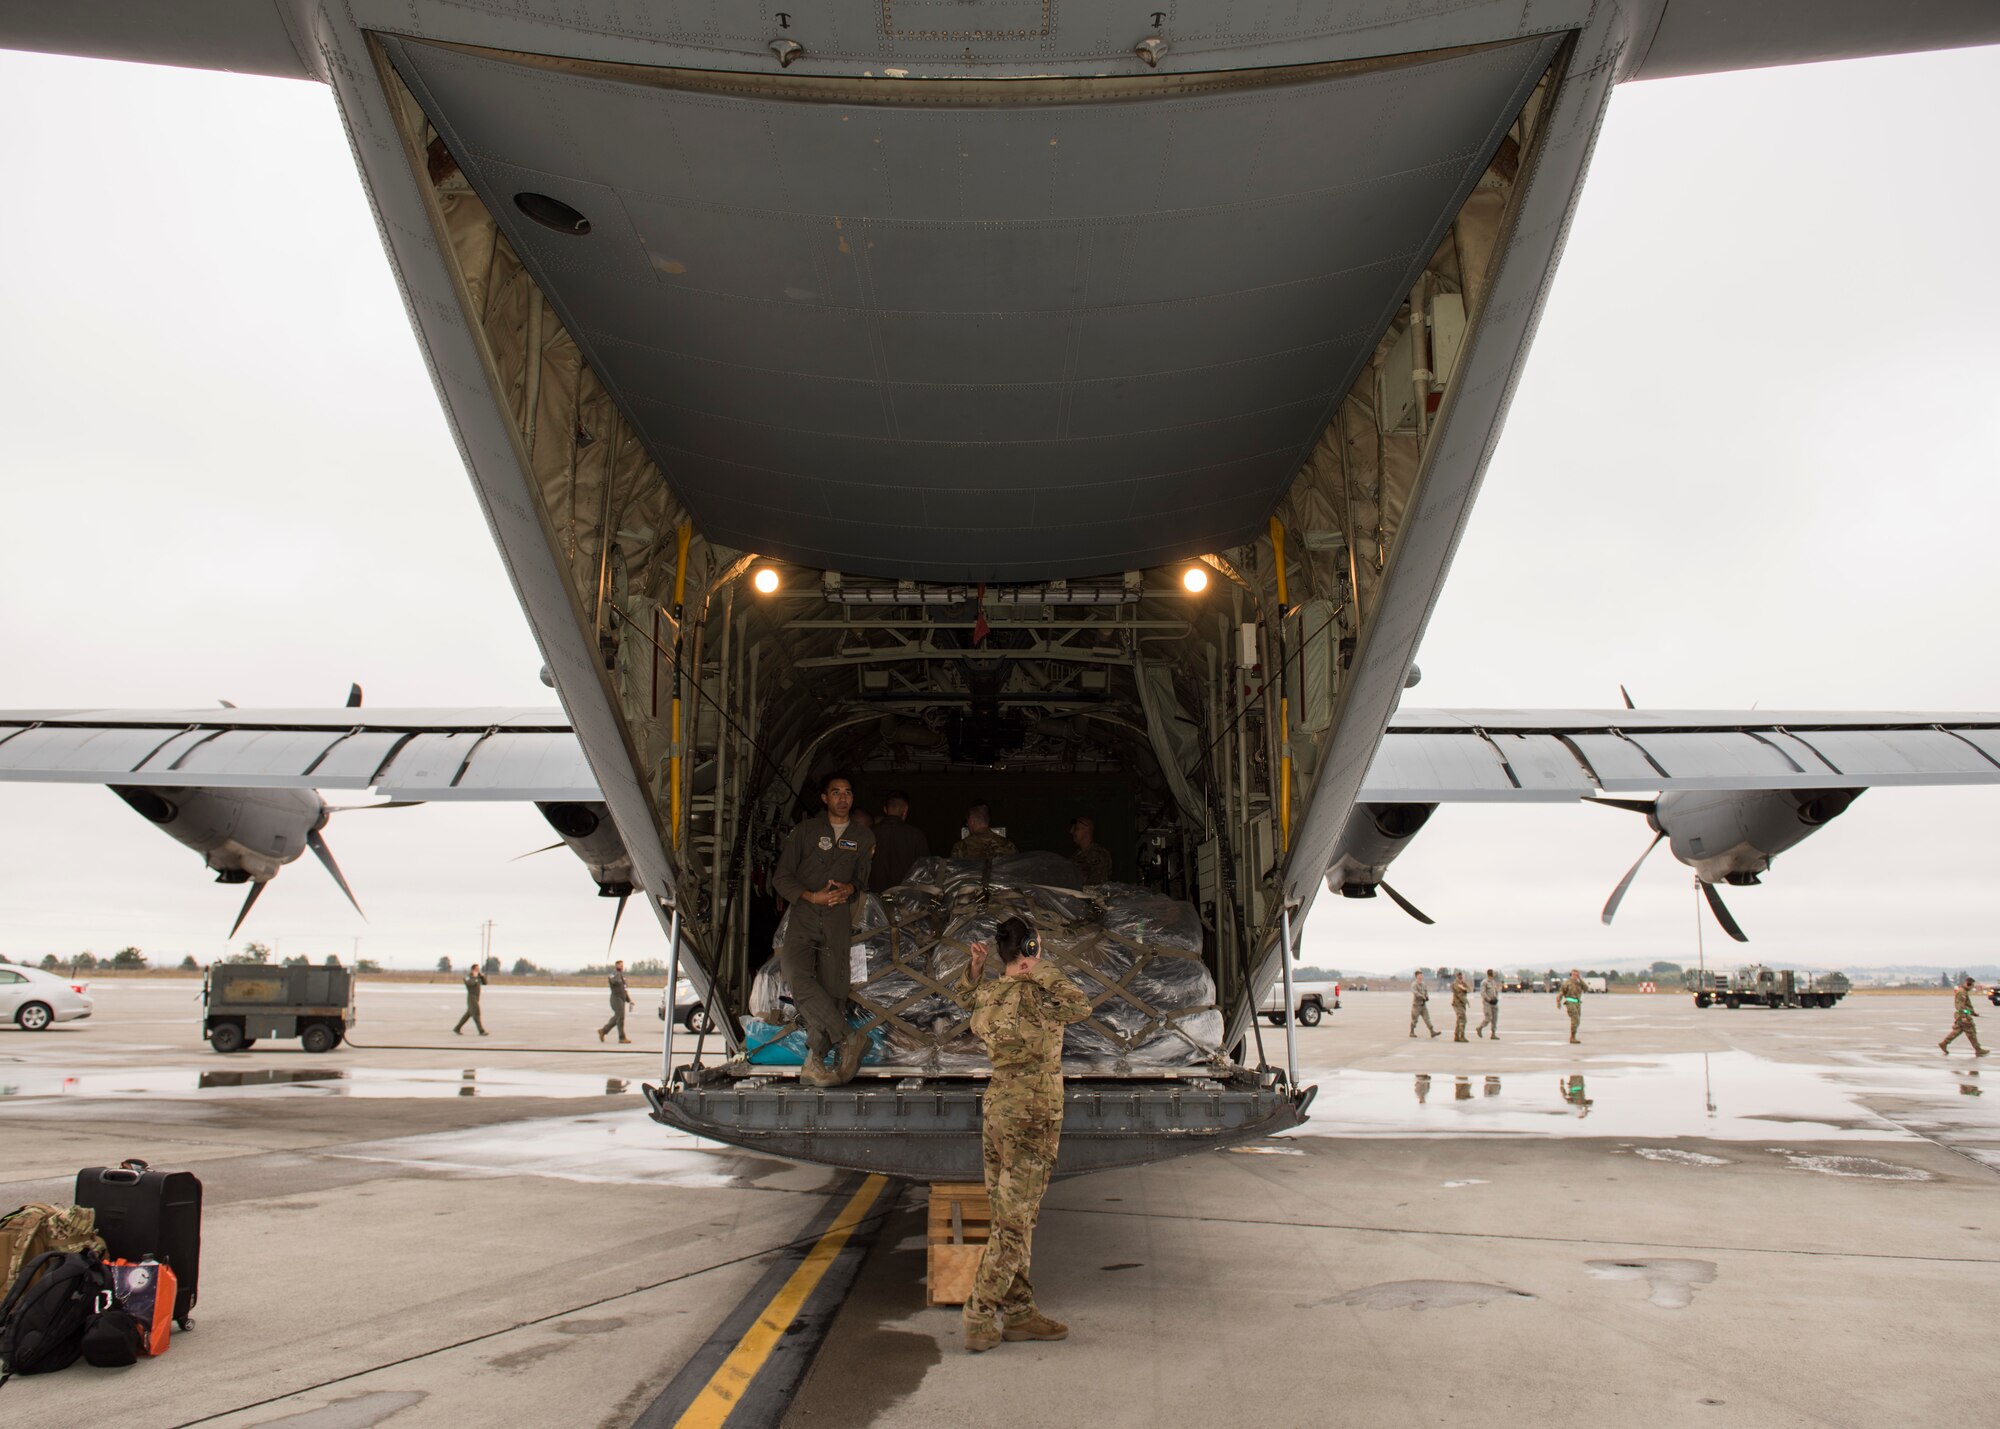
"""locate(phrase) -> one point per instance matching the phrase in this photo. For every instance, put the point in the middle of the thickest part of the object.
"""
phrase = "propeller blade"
(1407, 906)
(255, 889)
(615, 917)
(1721, 912)
(318, 846)
(1618, 893)
(227, 704)
(1627, 698)
(354, 697)
(533, 851)
(1648, 807)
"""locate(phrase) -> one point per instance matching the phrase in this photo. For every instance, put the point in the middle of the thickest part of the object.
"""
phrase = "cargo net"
(1136, 955)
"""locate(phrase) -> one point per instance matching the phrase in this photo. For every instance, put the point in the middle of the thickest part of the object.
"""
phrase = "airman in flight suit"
(821, 874)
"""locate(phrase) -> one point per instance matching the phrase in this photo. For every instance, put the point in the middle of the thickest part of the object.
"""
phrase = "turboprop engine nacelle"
(1373, 836)
(587, 831)
(1730, 836)
(243, 835)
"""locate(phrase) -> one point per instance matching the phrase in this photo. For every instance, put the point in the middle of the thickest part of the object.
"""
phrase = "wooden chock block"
(960, 1222)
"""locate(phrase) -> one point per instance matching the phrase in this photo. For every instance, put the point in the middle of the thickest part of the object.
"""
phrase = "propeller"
(616, 918)
(353, 697)
(545, 848)
(255, 889)
(1721, 912)
(1618, 893)
(318, 846)
(1626, 695)
(1407, 906)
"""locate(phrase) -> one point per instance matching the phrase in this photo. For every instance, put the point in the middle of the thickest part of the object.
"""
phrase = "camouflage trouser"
(1458, 1024)
(1491, 1019)
(1020, 1152)
(1575, 1011)
(815, 960)
(1963, 1026)
(1417, 1010)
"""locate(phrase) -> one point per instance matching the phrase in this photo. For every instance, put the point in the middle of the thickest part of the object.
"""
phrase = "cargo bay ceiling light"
(766, 580)
(1195, 579)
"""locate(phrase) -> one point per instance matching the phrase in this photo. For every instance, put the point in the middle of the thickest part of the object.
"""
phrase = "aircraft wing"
(1427, 756)
(437, 755)
(1549, 756)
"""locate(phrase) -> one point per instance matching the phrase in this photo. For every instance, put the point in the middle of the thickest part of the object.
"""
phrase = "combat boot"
(1036, 1327)
(813, 1073)
(851, 1053)
(981, 1336)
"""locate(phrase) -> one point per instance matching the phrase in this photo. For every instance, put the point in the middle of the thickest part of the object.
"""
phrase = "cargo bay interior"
(982, 418)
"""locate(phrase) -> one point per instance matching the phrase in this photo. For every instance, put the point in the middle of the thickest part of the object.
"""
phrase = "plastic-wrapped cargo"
(1135, 953)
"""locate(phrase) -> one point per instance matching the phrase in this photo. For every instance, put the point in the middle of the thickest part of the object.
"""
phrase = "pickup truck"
(1315, 999)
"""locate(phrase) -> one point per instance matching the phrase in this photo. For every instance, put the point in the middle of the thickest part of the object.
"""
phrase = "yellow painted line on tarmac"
(724, 1390)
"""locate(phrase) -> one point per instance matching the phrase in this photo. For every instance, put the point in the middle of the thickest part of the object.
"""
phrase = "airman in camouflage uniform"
(1020, 1017)
(1489, 998)
(1092, 859)
(1569, 997)
(980, 841)
(1460, 991)
(1420, 1003)
(1962, 1024)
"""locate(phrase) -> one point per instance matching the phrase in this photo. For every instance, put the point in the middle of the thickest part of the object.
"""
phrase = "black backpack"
(45, 1314)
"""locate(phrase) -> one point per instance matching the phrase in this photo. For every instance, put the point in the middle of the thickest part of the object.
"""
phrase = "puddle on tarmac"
(311, 1081)
(1670, 1284)
(1422, 1295)
(1732, 1096)
(615, 1148)
(1678, 1158)
(1866, 1168)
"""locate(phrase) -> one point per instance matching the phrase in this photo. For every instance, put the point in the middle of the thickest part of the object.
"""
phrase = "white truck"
(1315, 1000)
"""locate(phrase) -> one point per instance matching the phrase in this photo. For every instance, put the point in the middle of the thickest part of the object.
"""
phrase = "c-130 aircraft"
(989, 392)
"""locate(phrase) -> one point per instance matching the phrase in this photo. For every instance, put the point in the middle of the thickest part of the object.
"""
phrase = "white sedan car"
(33, 999)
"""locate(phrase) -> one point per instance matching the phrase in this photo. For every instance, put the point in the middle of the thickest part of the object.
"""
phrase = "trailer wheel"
(226, 1037)
(1732, 1002)
(1774, 1001)
(319, 1038)
(1310, 1014)
(1702, 999)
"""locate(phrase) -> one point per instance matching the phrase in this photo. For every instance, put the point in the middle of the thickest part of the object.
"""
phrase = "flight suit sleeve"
(786, 879)
(1065, 999)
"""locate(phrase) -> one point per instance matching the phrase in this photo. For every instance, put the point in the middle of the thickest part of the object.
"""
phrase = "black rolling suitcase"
(144, 1213)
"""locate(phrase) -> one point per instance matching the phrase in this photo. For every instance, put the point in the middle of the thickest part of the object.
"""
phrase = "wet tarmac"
(405, 1236)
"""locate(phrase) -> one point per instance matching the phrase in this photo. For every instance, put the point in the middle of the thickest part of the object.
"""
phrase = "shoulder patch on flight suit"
(849, 843)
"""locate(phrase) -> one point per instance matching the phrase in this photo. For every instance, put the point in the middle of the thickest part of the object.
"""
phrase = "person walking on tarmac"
(1420, 1003)
(980, 840)
(1460, 991)
(821, 874)
(621, 999)
(1489, 1000)
(475, 979)
(1962, 1023)
(1020, 1017)
(1569, 997)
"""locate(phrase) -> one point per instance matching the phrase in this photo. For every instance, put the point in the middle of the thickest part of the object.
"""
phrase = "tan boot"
(851, 1053)
(813, 1073)
(1036, 1327)
(981, 1337)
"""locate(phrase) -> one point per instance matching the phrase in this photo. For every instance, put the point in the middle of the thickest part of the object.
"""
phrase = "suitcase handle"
(129, 1169)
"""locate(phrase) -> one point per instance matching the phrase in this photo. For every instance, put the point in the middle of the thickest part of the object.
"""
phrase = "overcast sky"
(1753, 460)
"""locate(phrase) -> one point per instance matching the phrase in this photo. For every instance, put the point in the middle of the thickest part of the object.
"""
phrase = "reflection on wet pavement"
(315, 1081)
(615, 1148)
(1723, 1095)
